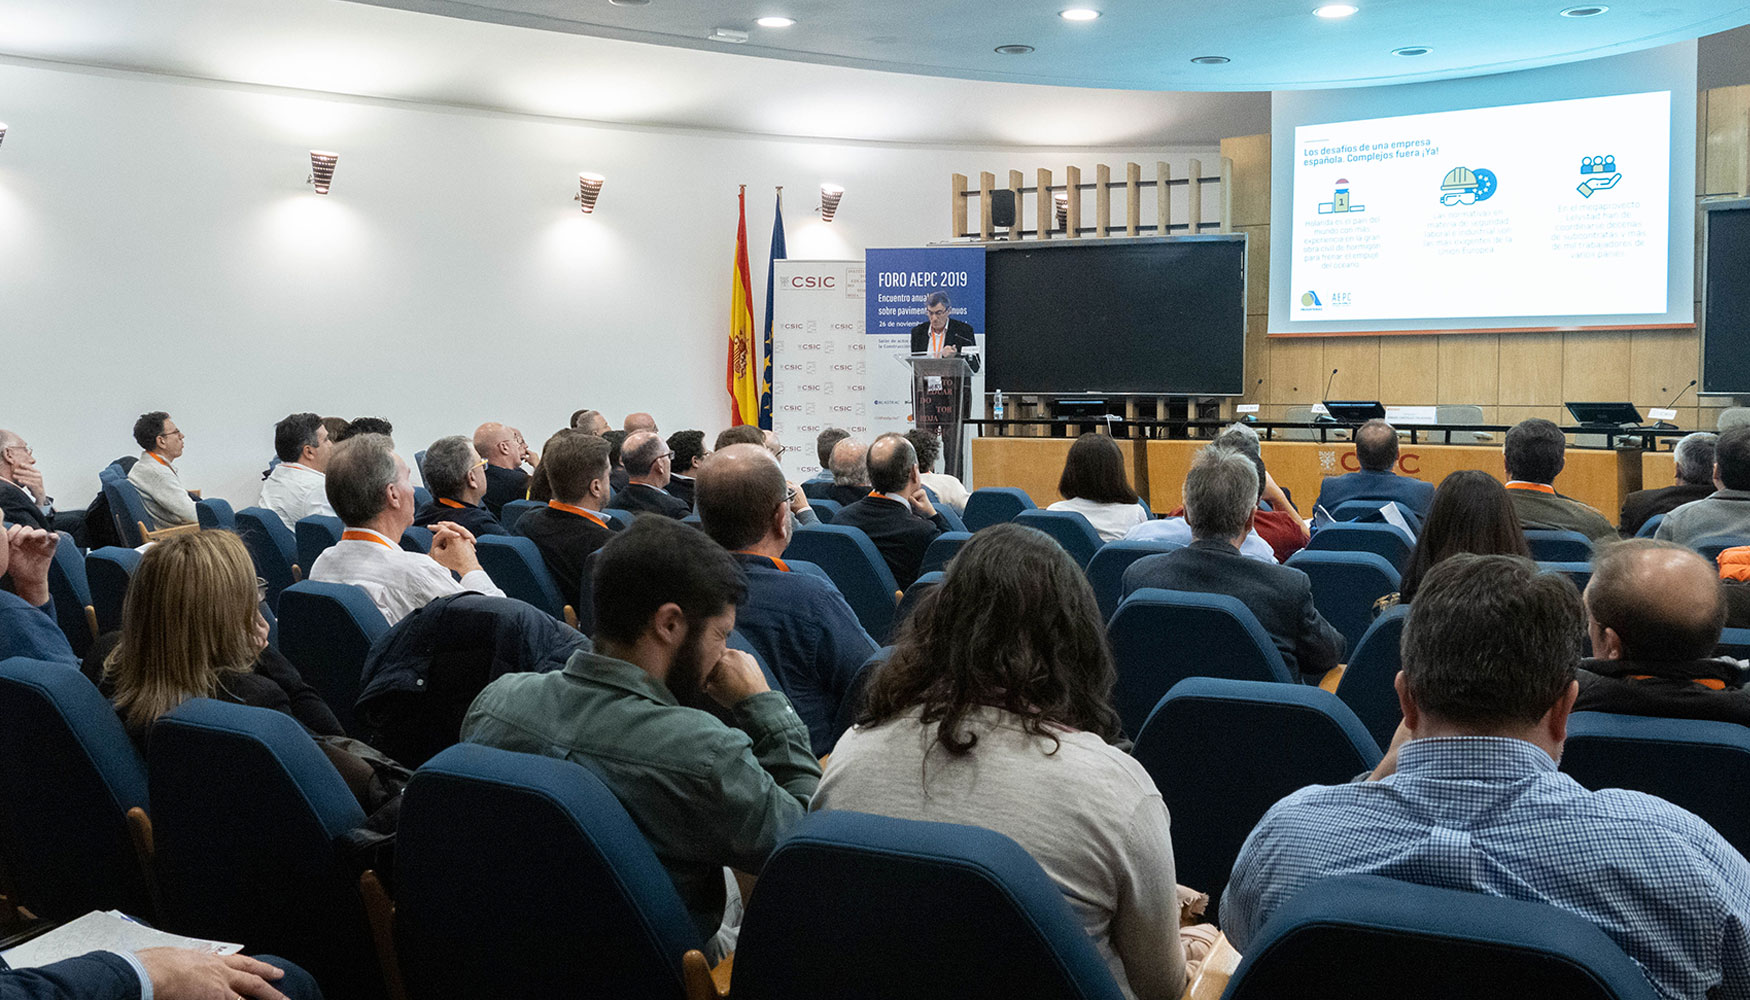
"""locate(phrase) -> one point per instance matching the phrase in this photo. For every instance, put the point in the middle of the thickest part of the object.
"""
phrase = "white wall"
(160, 250)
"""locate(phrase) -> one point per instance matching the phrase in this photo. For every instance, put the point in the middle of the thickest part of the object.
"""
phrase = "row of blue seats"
(500, 854)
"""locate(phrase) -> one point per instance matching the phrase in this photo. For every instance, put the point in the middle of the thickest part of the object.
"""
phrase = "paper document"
(1395, 517)
(103, 930)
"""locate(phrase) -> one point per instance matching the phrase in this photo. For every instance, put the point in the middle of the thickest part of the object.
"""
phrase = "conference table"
(1599, 477)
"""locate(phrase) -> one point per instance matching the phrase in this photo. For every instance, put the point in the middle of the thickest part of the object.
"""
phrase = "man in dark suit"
(571, 526)
(941, 337)
(1694, 458)
(1376, 450)
(689, 450)
(455, 475)
(646, 457)
(897, 514)
(850, 474)
(23, 497)
(1221, 495)
(505, 452)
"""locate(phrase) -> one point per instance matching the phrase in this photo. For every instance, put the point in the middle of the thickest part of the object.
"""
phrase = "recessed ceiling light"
(1014, 50)
(1335, 10)
(1078, 14)
(1210, 60)
(1585, 10)
(1412, 50)
(775, 22)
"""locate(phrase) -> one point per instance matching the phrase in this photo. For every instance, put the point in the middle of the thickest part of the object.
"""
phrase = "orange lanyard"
(1535, 487)
(936, 340)
(447, 502)
(350, 535)
(580, 511)
(774, 560)
(160, 461)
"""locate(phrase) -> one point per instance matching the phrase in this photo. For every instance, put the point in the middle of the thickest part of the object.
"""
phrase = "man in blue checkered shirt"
(1469, 796)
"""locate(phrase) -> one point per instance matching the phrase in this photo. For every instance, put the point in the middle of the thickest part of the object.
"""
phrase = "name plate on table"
(1662, 414)
(1318, 410)
(1410, 415)
(1246, 408)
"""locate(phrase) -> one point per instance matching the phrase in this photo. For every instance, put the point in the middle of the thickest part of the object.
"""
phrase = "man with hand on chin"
(897, 514)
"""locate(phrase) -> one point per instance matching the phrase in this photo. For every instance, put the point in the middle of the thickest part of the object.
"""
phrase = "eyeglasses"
(260, 590)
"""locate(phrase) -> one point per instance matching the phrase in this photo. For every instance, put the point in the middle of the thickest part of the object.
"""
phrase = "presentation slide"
(1559, 208)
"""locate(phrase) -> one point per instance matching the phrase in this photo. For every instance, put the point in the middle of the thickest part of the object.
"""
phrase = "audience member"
(799, 624)
(505, 452)
(591, 421)
(192, 628)
(1535, 453)
(1654, 612)
(1174, 529)
(23, 497)
(455, 475)
(571, 526)
(161, 489)
(1726, 511)
(1470, 798)
(850, 473)
(647, 459)
(636, 422)
(366, 425)
(771, 443)
(27, 611)
(372, 493)
(943, 487)
(1694, 461)
(1095, 485)
(823, 444)
(895, 513)
(688, 448)
(1277, 520)
(617, 476)
(997, 701)
(739, 434)
(1471, 513)
(705, 795)
(1221, 492)
(1376, 451)
(337, 427)
(159, 974)
(296, 488)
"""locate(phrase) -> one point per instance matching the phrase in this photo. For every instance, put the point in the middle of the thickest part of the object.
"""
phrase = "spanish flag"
(744, 376)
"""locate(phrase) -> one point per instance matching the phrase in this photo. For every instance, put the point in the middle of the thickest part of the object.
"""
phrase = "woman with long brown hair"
(1470, 513)
(996, 711)
(1095, 485)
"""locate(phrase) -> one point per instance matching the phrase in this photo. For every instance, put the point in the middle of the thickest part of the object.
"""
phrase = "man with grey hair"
(371, 490)
(896, 514)
(648, 458)
(850, 473)
(1221, 499)
(1694, 459)
(456, 476)
(23, 498)
(1173, 529)
(590, 421)
(824, 442)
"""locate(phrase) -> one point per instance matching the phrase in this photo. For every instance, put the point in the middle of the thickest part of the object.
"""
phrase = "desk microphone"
(1326, 416)
(1662, 425)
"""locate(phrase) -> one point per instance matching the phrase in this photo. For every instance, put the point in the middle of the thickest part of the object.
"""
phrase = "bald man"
(1654, 612)
(793, 616)
(636, 422)
(649, 461)
(896, 513)
(849, 465)
(505, 452)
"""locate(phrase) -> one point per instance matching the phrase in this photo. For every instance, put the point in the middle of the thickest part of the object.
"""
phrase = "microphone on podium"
(1326, 416)
(1662, 425)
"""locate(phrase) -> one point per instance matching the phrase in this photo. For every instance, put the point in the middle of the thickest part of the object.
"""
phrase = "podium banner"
(902, 282)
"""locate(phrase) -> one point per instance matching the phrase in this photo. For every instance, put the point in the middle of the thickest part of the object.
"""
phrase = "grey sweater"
(1726, 512)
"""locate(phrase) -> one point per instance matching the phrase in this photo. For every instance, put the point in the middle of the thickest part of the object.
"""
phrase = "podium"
(941, 395)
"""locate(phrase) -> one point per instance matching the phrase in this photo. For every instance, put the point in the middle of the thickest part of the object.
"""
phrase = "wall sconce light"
(1061, 200)
(829, 201)
(589, 188)
(2, 131)
(322, 169)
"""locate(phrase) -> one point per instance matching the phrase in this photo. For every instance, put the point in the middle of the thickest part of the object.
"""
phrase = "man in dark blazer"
(571, 526)
(1376, 450)
(646, 457)
(505, 452)
(896, 515)
(1694, 458)
(455, 475)
(940, 336)
(23, 497)
(1221, 492)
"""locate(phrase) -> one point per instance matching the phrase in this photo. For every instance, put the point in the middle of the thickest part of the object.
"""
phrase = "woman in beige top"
(996, 711)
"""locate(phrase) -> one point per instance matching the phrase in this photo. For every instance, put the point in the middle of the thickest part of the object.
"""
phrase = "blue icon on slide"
(1599, 173)
(1340, 200)
(1464, 186)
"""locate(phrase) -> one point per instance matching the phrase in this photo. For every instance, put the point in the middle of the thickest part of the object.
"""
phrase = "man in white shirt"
(371, 491)
(157, 480)
(297, 487)
(1177, 529)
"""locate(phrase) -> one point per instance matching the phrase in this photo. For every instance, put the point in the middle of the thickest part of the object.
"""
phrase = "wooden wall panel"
(1661, 363)
(1251, 188)
(1410, 370)
(1357, 362)
(1728, 140)
(1297, 370)
(1257, 358)
(1595, 366)
(1257, 268)
(1531, 369)
(1470, 369)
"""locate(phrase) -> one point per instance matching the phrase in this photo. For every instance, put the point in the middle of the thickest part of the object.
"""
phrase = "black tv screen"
(1725, 330)
(1149, 316)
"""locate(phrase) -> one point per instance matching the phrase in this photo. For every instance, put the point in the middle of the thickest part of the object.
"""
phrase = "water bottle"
(997, 405)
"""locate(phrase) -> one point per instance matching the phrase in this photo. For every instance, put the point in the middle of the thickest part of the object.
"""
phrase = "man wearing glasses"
(505, 452)
(941, 337)
(456, 476)
(647, 459)
(157, 480)
(24, 499)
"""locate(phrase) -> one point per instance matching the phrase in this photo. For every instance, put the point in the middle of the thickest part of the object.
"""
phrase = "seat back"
(1650, 526)
(214, 513)
(942, 549)
(71, 593)
(1373, 512)
(995, 505)
(1734, 642)
(515, 564)
(248, 817)
(851, 705)
(1071, 529)
(825, 509)
(915, 593)
(1369, 938)
(1385, 540)
(513, 512)
(326, 630)
(128, 511)
(1345, 585)
(108, 571)
(1106, 569)
(1549, 545)
(315, 534)
(68, 776)
(1222, 752)
(621, 519)
(949, 514)
(272, 547)
(1160, 637)
(523, 876)
(416, 539)
(1369, 683)
(1686, 762)
(1579, 572)
(1712, 545)
(926, 911)
(421, 497)
(857, 569)
(419, 463)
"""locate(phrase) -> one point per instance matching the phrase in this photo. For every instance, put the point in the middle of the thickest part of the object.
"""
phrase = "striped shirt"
(1493, 815)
